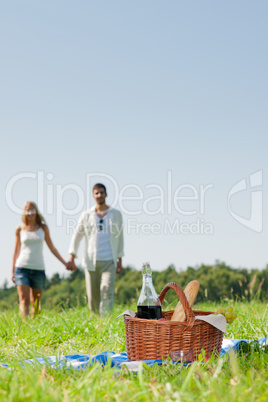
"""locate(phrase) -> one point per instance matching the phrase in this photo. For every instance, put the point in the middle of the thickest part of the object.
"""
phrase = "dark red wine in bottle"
(150, 312)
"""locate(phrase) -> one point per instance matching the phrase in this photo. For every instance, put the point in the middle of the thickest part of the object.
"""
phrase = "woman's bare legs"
(36, 295)
(24, 298)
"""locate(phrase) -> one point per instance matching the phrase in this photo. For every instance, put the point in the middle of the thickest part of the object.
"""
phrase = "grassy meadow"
(242, 377)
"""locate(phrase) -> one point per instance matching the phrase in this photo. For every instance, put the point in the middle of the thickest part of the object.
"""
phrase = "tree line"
(217, 283)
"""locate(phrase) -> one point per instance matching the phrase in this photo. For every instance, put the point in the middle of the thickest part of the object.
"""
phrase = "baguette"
(190, 291)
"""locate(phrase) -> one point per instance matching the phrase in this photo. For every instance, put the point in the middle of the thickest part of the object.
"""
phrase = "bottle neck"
(148, 295)
(147, 286)
(146, 279)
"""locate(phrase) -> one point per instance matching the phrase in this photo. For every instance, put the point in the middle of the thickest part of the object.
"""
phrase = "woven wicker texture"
(153, 339)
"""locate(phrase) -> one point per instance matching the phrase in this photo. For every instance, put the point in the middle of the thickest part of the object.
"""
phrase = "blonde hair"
(39, 218)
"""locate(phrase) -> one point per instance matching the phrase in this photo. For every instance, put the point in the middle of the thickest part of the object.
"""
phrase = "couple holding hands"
(102, 227)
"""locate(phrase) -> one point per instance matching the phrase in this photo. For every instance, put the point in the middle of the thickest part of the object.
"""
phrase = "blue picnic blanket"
(119, 360)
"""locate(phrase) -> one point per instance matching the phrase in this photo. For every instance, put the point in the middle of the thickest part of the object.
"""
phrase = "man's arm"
(77, 237)
(119, 267)
(120, 253)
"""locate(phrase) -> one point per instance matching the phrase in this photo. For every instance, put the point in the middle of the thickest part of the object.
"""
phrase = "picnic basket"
(153, 339)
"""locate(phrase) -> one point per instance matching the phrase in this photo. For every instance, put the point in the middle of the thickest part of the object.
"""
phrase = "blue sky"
(139, 92)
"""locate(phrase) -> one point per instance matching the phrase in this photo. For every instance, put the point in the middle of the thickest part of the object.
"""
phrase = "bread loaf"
(190, 291)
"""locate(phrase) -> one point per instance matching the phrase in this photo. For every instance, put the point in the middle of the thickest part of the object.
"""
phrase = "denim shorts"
(34, 278)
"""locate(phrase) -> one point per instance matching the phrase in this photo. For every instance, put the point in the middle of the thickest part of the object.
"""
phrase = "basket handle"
(190, 317)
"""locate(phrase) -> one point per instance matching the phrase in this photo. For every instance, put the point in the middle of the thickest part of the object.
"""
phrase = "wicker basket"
(153, 339)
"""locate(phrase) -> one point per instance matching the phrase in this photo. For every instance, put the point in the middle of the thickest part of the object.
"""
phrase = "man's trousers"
(100, 287)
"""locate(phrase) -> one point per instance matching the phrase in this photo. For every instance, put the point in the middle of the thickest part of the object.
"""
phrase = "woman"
(28, 270)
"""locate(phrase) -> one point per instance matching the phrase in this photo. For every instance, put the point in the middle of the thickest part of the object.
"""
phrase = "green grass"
(242, 377)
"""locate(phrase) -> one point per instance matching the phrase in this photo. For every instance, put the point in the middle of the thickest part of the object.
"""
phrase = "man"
(103, 229)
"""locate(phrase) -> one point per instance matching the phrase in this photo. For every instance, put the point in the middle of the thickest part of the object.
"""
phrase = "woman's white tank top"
(31, 250)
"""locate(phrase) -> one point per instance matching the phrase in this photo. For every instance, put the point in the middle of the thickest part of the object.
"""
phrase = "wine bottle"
(149, 305)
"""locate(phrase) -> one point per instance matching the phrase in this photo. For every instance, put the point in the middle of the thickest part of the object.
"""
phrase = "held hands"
(70, 266)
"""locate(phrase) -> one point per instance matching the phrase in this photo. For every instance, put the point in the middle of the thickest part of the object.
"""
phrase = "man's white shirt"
(88, 227)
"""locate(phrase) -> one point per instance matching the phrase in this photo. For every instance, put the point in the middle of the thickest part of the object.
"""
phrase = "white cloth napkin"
(127, 312)
(217, 321)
